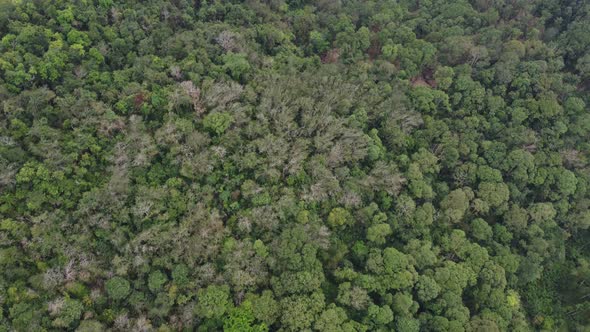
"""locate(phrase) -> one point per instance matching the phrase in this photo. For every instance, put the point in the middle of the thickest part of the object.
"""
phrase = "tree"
(495, 194)
(67, 313)
(422, 253)
(392, 270)
(542, 212)
(427, 288)
(353, 296)
(242, 319)
(353, 43)
(378, 233)
(90, 326)
(318, 42)
(379, 316)
(180, 275)
(481, 230)
(297, 267)
(403, 304)
(566, 182)
(521, 165)
(264, 307)
(217, 123)
(236, 64)
(339, 217)
(404, 324)
(118, 288)
(333, 319)
(213, 302)
(455, 204)
(156, 280)
(444, 77)
(454, 277)
(299, 312)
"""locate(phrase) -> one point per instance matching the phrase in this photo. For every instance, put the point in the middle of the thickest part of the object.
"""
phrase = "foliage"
(294, 165)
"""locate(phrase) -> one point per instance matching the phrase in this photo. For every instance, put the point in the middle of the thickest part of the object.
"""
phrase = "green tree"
(90, 326)
(242, 319)
(481, 230)
(455, 205)
(213, 302)
(333, 319)
(217, 123)
(378, 233)
(299, 312)
(265, 307)
(516, 218)
(379, 316)
(68, 314)
(339, 217)
(156, 280)
(236, 64)
(427, 288)
(444, 77)
(495, 194)
(318, 42)
(118, 288)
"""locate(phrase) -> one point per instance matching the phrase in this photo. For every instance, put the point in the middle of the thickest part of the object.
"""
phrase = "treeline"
(294, 165)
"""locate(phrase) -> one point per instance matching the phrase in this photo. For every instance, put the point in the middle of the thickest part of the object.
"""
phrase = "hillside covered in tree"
(294, 165)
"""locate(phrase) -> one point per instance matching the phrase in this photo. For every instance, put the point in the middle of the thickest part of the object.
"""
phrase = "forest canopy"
(294, 165)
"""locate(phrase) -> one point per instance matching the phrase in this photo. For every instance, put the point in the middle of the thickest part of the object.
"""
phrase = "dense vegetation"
(291, 165)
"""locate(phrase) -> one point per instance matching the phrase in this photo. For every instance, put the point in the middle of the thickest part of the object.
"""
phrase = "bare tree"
(195, 94)
(228, 41)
